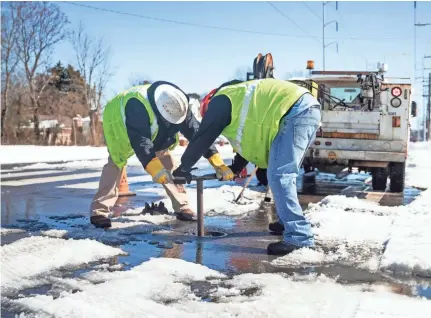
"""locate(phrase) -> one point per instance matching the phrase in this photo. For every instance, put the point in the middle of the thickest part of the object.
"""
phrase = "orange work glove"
(223, 172)
(156, 169)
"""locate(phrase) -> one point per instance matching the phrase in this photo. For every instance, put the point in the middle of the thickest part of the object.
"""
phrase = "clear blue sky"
(198, 59)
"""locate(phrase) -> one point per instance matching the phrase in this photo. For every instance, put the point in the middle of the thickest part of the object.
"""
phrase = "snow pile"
(26, 259)
(163, 287)
(364, 234)
(339, 221)
(409, 247)
(418, 167)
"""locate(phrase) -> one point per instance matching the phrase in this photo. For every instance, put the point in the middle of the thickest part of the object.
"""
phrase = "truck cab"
(365, 125)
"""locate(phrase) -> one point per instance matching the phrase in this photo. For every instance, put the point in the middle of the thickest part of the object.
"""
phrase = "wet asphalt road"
(35, 200)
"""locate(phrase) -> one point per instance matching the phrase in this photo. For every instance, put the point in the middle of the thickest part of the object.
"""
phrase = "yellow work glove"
(223, 172)
(156, 169)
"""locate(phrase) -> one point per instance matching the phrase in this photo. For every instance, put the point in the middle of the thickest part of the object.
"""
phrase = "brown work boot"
(100, 221)
(186, 215)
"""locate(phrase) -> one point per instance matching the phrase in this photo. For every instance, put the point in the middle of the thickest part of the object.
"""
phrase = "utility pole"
(324, 25)
(414, 60)
(429, 106)
(323, 35)
(424, 99)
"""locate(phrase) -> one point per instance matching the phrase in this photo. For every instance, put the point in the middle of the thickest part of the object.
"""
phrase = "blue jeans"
(295, 135)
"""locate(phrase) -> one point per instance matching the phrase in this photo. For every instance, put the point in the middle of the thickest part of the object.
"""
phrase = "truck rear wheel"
(379, 178)
(397, 175)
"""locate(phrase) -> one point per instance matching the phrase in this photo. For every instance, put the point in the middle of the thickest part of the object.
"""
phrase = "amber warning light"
(310, 65)
(396, 91)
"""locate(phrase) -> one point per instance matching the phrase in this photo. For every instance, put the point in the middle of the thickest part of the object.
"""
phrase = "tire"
(379, 178)
(308, 168)
(397, 175)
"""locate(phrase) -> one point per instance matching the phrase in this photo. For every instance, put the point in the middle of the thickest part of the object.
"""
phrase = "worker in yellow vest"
(145, 120)
(270, 123)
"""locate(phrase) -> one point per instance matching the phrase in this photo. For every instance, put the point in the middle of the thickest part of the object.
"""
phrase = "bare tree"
(92, 58)
(136, 80)
(41, 25)
(9, 58)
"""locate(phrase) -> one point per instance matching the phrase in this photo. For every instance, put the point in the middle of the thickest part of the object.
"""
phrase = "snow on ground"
(26, 259)
(419, 165)
(163, 287)
(354, 231)
(218, 198)
(34, 154)
(39, 157)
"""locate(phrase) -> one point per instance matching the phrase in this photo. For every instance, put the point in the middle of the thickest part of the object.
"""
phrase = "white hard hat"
(171, 103)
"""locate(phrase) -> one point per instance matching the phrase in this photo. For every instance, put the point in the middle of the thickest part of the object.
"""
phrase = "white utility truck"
(365, 124)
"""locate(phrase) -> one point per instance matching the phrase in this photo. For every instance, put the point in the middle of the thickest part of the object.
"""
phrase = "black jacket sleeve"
(190, 128)
(139, 131)
(215, 120)
(238, 163)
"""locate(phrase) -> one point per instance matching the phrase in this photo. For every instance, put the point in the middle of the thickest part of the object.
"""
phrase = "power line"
(183, 22)
(309, 9)
(218, 27)
(288, 18)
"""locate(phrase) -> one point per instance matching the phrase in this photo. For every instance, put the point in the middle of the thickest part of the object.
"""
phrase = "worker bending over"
(145, 120)
(270, 123)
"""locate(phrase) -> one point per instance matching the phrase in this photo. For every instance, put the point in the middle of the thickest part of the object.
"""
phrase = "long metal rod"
(323, 31)
(200, 199)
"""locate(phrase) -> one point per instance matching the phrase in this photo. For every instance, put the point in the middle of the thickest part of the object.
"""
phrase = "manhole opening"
(212, 234)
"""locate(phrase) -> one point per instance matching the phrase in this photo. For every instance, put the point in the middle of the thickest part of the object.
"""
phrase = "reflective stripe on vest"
(244, 112)
(143, 91)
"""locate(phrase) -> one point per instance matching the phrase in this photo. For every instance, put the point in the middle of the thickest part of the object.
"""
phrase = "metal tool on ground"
(246, 185)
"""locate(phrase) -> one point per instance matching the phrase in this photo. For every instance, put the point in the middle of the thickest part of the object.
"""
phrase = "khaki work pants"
(107, 195)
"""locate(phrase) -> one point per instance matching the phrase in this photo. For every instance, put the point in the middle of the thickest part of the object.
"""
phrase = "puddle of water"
(424, 291)
(224, 222)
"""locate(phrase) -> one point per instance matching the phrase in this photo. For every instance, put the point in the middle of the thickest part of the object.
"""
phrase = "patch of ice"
(5, 231)
(54, 233)
(301, 257)
(132, 217)
(26, 259)
(160, 288)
